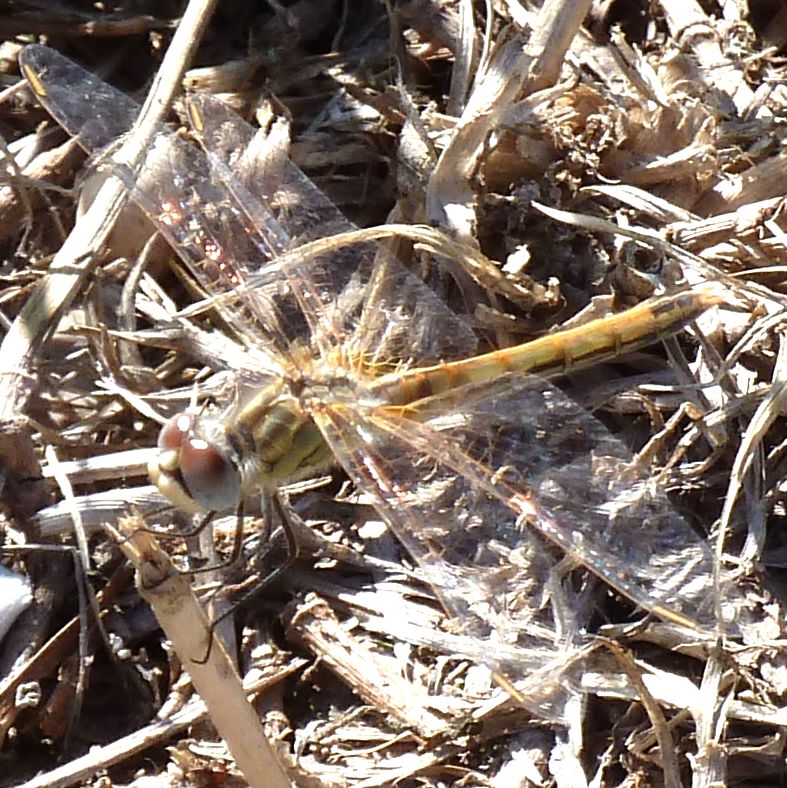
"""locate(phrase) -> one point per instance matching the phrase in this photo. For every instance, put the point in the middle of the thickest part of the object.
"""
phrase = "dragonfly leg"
(237, 540)
(186, 533)
(259, 585)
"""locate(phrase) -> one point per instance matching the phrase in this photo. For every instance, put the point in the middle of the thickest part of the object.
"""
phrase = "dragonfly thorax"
(207, 462)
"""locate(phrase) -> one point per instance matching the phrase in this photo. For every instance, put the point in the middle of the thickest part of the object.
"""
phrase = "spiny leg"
(181, 533)
(292, 552)
(205, 520)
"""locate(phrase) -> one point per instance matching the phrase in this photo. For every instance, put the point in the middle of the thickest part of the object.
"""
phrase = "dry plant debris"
(569, 158)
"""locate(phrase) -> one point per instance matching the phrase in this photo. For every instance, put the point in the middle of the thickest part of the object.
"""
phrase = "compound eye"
(176, 432)
(210, 478)
(191, 471)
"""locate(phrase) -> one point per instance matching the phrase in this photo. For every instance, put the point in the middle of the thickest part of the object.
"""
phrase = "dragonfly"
(485, 471)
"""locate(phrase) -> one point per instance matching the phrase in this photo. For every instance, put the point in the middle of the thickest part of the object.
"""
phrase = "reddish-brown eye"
(197, 467)
(212, 480)
(176, 432)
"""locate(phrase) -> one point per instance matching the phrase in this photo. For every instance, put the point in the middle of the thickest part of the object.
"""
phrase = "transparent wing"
(359, 297)
(490, 476)
(231, 228)
(174, 187)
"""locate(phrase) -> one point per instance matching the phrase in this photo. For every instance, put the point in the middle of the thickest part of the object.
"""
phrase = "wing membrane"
(227, 233)
(358, 298)
(463, 488)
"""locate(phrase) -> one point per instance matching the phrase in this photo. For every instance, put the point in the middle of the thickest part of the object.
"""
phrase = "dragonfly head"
(193, 472)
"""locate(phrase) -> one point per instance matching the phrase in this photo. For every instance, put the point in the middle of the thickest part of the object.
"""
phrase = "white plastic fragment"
(15, 597)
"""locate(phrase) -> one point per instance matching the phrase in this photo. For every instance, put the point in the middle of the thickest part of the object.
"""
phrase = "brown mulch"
(553, 165)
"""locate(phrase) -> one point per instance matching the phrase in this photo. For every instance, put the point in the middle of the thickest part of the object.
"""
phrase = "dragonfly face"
(192, 471)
